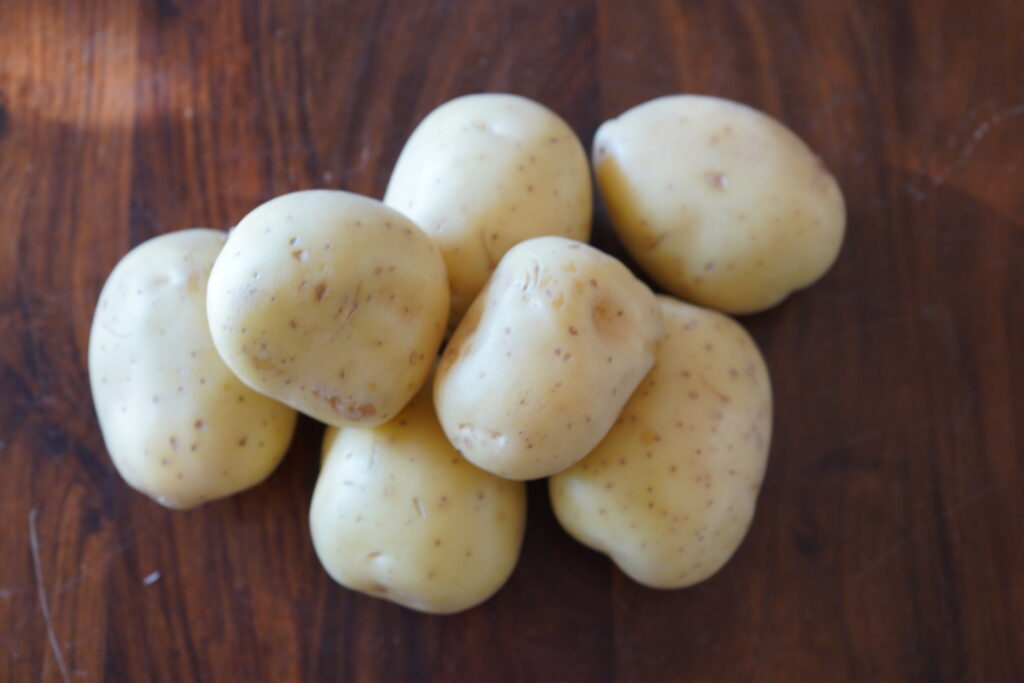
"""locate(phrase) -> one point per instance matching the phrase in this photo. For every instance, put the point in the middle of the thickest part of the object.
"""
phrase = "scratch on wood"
(33, 540)
(983, 129)
(879, 560)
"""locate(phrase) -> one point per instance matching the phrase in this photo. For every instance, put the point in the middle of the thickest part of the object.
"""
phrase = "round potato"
(670, 492)
(330, 302)
(178, 424)
(546, 357)
(719, 203)
(484, 172)
(397, 513)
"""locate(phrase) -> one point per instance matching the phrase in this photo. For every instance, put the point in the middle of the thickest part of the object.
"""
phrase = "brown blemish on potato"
(712, 388)
(349, 311)
(347, 409)
(649, 437)
(300, 255)
(244, 440)
(174, 442)
(200, 424)
(717, 180)
(262, 363)
(319, 292)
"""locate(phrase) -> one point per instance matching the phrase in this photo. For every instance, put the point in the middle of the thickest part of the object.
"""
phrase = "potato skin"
(670, 492)
(484, 172)
(179, 426)
(546, 357)
(719, 203)
(397, 513)
(331, 303)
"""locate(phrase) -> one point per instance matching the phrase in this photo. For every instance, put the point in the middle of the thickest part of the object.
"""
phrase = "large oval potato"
(484, 172)
(330, 302)
(670, 492)
(179, 426)
(397, 513)
(546, 357)
(719, 203)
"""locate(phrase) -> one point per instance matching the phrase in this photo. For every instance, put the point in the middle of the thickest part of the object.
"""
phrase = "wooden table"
(888, 540)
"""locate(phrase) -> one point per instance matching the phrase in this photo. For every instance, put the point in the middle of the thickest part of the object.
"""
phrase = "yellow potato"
(670, 492)
(398, 514)
(330, 302)
(484, 172)
(546, 357)
(719, 203)
(179, 426)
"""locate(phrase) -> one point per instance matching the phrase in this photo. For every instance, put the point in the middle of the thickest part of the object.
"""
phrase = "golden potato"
(546, 357)
(484, 172)
(719, 203)
(398, 514)
(331, 303)
(670, 492)
(179, 426)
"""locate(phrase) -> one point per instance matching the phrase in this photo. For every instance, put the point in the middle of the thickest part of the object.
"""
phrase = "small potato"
(330, 302)
(398, 514)
(484, 172)
(546, 357)
(719, 203)
(179, 426)
(670, 492)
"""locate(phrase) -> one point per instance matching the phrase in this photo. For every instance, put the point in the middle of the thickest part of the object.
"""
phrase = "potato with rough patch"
(719, 203)
(670, 492)
(331, 303)
(179, 426)
(484, 172)
(546, 357)
(398, 514)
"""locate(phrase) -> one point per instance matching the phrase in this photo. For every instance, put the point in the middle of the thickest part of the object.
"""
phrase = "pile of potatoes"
(651, 417)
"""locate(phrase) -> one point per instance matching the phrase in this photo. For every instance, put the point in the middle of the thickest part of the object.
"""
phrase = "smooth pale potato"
(331, 303)
(670, 492)
(719, 203)
(179, 426)
(546, 357)
(397, 513)
(484, 172)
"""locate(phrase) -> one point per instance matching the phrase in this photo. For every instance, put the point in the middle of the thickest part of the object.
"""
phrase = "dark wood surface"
(888, 540)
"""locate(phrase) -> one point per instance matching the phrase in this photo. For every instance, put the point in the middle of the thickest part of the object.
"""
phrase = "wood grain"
(887, 544)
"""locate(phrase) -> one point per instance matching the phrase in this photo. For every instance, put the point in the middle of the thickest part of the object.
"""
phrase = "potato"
(719, 203)
(484, 172)
(398, 514)
(546, 357)
(331, 303)
(179, 426)
(670, 492)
